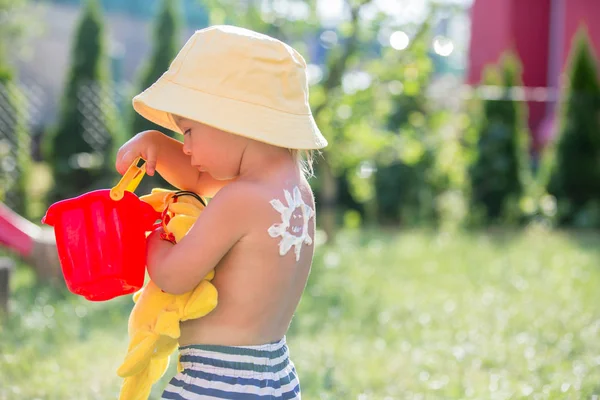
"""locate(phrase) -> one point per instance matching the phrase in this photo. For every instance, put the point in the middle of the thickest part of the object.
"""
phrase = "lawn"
(409, 315)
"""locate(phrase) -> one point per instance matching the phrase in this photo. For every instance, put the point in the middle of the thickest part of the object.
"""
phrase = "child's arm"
(165, 154)
(178, 269)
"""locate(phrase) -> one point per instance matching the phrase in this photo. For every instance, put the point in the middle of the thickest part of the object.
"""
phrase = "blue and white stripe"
(235, 373)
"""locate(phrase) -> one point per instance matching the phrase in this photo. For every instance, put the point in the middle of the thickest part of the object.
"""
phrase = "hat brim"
(166, 98)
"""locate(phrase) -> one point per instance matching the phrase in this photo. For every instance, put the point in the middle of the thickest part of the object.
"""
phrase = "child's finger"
(151, 160)
(124, 161)
(118, 160)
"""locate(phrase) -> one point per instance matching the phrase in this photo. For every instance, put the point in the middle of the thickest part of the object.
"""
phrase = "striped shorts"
(235, 373)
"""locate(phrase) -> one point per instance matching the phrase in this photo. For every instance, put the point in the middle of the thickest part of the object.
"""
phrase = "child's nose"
(186, 148)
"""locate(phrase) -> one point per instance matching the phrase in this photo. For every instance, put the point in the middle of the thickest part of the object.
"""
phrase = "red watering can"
(101, 238)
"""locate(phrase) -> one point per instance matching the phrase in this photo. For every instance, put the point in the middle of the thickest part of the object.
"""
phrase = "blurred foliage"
(15, 168)
(368, 99)
(574, 160)
(82, 148)
(13, 24)
(403, 183)
(166, 45)
(501, 168)
(396, 157)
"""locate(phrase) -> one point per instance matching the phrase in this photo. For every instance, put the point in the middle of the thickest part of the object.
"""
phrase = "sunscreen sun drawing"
(291, 236)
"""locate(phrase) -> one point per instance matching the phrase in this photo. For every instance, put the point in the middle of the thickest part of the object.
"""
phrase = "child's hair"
(304, 159)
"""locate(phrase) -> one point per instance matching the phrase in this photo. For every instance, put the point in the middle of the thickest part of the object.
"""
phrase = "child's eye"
(187, 131)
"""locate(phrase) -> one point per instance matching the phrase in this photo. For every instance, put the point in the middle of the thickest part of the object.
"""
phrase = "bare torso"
(259, 289)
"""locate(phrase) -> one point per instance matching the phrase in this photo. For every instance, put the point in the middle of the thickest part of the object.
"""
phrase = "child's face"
(212, 150)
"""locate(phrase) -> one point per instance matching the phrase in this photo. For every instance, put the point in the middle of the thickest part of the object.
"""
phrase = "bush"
(82, 149)
(404, 189)
(575, 170)
(501, 162)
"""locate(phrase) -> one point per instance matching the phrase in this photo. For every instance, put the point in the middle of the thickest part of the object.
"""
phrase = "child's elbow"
(168, 282)
(170, 286)
(175, 290)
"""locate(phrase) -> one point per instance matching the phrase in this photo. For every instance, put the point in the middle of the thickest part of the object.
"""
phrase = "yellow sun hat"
(239, 81)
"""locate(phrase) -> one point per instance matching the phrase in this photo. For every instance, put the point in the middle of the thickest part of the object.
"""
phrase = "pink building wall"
(530, 21)
(581, 12)
(542, 33)
(491, 27)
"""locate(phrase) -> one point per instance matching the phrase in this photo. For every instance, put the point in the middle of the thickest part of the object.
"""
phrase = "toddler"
(240, 100)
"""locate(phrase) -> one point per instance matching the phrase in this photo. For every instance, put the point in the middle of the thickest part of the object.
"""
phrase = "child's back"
(258, 288)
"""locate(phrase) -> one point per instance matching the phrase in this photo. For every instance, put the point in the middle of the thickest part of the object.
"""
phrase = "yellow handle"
(130, 180)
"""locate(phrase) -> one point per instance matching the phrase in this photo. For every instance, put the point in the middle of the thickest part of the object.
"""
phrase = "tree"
(575, 167)
(166, 45)
(500, 167)
(81, 150)
(404, 191)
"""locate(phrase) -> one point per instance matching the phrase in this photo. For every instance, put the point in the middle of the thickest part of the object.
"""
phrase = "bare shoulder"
(240, 195)
(240, 202)
(250, 201)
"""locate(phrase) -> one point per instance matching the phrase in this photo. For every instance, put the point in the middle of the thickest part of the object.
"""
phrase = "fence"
(15, 106)
(25, 117)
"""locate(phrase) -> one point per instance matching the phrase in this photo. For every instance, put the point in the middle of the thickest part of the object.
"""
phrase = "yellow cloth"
(154, 321)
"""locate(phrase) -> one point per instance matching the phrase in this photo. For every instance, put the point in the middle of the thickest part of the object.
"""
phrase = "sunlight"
(443, 46)
(330, 12)
(356, 81)
(399, 40)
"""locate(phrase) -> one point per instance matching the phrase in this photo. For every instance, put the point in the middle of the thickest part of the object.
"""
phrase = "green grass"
(385, 316)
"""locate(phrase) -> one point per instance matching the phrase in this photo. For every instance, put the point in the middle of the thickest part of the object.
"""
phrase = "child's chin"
(221, 177)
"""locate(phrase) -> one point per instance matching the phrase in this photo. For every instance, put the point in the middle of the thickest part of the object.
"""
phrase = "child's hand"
(144, 144)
